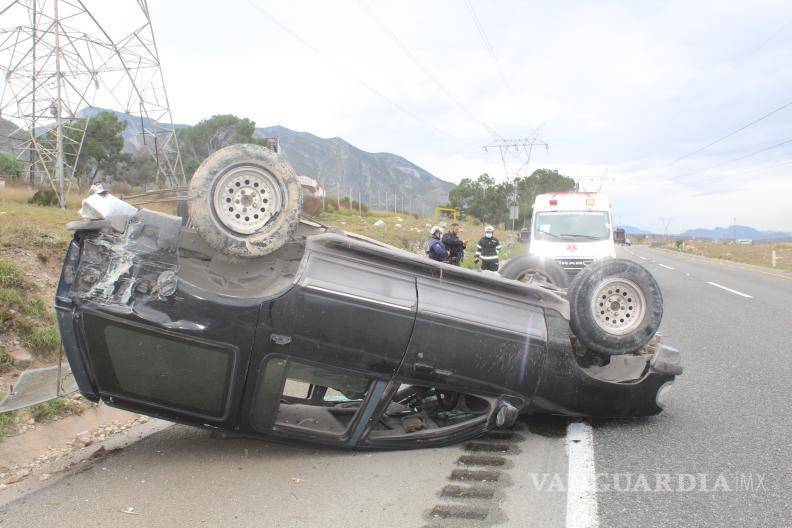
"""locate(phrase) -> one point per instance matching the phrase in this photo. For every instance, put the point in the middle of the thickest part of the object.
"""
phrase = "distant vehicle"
(744, 241)
(572, 228)
(619, 236)
(627, 242)
(257, 322)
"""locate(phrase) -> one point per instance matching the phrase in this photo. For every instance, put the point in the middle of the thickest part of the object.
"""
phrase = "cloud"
(626, 87)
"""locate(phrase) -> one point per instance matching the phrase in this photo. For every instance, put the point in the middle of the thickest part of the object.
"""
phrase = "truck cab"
(573, 228)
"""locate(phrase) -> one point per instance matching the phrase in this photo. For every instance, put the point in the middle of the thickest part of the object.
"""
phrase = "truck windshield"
(572, 225)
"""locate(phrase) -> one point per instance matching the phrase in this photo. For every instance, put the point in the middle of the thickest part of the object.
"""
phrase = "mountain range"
(337, 165)
(632, 230)
(736, 232)
(345, 169)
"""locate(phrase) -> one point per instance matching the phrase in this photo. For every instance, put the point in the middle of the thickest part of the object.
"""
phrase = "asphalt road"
(729, 414)
(728, 423)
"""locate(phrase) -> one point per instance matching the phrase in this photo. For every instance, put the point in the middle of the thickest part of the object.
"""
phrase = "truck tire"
(531, 269)
(245, 201)
(615, 306)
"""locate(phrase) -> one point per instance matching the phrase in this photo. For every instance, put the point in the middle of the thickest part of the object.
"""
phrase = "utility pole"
(338, 195)
(666, 222)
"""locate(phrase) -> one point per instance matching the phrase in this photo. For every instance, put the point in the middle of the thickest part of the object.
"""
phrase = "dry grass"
(412, 233)
(757, 254)
(33, 227)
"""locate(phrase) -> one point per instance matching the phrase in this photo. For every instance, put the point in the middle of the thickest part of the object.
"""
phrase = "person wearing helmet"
(455, 245)
(488, 250)
(434, 246)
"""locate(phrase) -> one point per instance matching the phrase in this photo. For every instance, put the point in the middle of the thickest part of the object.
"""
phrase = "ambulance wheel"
(533, 269)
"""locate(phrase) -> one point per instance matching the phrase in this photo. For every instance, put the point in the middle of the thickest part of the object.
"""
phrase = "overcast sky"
(625, 88)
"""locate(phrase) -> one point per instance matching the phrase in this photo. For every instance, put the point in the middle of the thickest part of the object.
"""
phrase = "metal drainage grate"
(455, 511)
(481, 460)
(491, 447)
(477, 475)
(477, 487)
(467, 492)
(498, 434)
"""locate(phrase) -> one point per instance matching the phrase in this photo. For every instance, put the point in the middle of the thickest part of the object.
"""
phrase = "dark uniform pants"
(489, 265)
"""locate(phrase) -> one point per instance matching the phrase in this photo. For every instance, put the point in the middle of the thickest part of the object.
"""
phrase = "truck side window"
(299, 397)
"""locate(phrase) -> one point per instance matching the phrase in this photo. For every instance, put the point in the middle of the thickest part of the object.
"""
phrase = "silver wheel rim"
(618, 305)
(246, 198)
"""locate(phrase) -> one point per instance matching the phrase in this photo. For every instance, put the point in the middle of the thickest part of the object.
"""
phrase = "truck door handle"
(279, 339)
(423, 367)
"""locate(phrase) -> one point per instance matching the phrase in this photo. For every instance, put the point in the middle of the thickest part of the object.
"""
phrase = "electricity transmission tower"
(521, 149)
(60, 62)
(666, 222)
(601, 179)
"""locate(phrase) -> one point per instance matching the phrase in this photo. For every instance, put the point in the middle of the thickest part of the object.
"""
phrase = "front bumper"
(627, 387)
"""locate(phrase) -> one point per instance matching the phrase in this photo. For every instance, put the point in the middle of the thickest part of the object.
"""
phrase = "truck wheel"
(245, 201)
(533, 269)
(615, 306)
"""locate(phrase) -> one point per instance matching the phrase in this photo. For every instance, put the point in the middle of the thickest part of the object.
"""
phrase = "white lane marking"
(687, 274)
(581, 506)
(666, 267)
(741, 294)
(642, 258)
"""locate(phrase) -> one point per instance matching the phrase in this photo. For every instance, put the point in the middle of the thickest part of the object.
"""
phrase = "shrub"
(5, 360)
(10, 275)
(312, 206)
(44, 197)
(53, 408)
(7, 420)
(43, 340)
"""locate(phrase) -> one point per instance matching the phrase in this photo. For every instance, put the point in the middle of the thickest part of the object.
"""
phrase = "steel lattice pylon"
(60, 62)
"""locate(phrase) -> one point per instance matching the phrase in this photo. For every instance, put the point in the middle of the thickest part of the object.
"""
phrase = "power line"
(352, 76)
(753, 170)
(730, 134)
(487, 46)
(424, 69)
(734, 160)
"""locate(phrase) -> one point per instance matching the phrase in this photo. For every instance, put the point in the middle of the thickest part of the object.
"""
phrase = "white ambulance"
(574, 228)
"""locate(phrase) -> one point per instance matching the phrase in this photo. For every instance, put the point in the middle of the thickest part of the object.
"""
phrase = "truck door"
(344, 327)
(473, 337)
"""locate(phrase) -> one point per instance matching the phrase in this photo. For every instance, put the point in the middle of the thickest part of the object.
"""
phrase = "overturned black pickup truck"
(253, 320)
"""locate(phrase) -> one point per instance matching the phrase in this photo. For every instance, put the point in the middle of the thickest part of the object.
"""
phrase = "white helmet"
(489, 229)
(435, 229)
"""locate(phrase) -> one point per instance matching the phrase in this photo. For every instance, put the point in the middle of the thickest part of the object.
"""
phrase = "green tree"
(482, 198)
(488, 201)
(9, 165)
(540, 182)
(198, 141)
(101, 151)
